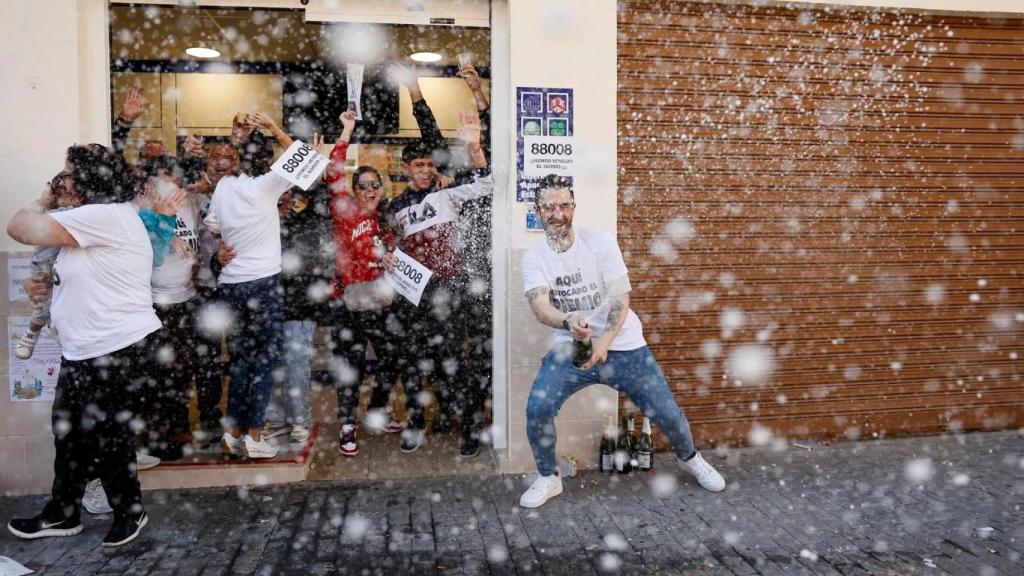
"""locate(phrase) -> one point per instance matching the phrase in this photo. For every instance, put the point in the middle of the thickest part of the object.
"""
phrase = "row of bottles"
(622, 451)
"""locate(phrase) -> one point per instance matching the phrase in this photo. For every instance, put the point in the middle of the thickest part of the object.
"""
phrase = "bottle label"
(607, 464)
(643, 461)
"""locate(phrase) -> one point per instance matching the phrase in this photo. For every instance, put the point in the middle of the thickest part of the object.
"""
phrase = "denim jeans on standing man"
(254, 343)
(633, 372)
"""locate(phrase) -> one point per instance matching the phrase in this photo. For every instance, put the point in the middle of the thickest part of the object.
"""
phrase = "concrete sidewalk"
(952, 504)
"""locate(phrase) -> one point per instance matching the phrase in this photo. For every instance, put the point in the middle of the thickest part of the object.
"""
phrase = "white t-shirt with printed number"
(244, 212)
(172, 280)
(579, 281)
(102, 299)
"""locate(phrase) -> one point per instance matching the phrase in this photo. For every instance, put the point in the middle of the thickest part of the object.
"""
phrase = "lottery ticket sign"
(408, 277)
(300, 165)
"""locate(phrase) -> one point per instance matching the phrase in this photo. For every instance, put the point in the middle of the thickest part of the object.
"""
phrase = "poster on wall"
(34, 379)
(542, 115)
(17, 270)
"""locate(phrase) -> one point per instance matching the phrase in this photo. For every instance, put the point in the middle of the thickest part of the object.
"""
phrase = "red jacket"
(359, 239)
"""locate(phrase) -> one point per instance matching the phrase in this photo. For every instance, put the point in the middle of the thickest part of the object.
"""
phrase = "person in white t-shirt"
(243, 211)
(102, 310)
(576, 283)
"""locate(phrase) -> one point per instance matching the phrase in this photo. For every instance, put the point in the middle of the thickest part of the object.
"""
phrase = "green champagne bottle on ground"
(632, 443)
(622, 450)
(645, 448)
(608, 446)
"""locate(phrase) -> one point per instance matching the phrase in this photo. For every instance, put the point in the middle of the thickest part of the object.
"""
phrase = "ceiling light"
(425, 57)
(199, 52)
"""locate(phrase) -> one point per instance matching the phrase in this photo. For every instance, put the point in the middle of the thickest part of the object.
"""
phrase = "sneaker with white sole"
(258, 449)
(348, 446)
(377, 421)
(95, 499)
(145, 461)
(125, 529)
(544, 488)
(706, 475)
(275, 430)
(51, 522)
(299, 433)
(230, 445)
(412, 439)
(26, 345)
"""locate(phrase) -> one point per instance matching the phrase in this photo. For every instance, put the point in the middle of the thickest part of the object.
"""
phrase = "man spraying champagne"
(577, 283)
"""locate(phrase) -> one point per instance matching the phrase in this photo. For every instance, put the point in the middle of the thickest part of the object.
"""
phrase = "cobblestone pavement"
(951, 504)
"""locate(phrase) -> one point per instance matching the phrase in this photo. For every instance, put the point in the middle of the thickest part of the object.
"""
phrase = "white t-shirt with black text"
(244, 212)
(579, 281)
(172, 280)
(102, 299)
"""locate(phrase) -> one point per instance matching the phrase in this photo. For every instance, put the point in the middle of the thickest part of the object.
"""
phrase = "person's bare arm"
(616, 319)
(33, 226)
(263, 121)
(469, 132)
(548, 315)
(472, 78)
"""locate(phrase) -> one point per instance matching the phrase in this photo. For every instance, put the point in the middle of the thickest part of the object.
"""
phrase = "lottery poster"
(539, 112)
(34, 379)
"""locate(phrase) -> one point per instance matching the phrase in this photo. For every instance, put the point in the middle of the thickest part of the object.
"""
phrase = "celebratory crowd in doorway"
(143, 272)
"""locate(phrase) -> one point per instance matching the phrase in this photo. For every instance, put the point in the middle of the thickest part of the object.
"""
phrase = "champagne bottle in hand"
(581, 349)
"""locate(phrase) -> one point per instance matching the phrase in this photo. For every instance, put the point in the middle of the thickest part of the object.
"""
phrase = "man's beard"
(559, 238)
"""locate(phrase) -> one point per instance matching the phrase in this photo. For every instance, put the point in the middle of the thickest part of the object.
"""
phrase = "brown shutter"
(854, 181)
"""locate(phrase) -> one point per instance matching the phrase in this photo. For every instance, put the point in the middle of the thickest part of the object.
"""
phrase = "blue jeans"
(289, 401)
(635, 373)
(254, 343)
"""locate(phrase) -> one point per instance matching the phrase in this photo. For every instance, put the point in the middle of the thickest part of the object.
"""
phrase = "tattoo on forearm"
(615, 313)
(533, 293)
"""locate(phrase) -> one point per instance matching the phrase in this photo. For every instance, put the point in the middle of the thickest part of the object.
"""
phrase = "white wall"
(566, 44)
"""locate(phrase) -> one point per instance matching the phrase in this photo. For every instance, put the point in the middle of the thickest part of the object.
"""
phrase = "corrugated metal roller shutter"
(842, 187)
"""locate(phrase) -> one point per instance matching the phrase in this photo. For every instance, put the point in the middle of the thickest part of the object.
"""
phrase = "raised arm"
(133, 106)
(261, 120)
(336, 165)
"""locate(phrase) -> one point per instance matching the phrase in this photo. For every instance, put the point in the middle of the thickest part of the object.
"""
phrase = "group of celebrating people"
(143, 271)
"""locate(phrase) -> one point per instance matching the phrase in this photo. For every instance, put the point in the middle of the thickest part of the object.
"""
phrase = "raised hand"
(260, 120)
(403, 75)
(470, 75)
(170, 204)
(194, 145)
(348, 119)
(318, 144)
(134, 104)
(469, 130)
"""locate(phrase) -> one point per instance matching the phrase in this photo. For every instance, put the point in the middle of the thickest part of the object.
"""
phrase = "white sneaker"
(543, 489)
(274, 430)
(706, 475)
(412, 439)
(26, 345)
(95, 499)
(145, 461)
(230, 445)
(299, 433)
(258, 449)
(377, 421)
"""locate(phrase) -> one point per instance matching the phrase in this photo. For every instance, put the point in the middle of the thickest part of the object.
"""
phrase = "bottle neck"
(647, 426)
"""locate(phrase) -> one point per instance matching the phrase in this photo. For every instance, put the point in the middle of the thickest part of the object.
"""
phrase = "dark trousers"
(434, 348)
(209, 369)
(94, 404)
(351, 333)
(168, 400)
(254, 342)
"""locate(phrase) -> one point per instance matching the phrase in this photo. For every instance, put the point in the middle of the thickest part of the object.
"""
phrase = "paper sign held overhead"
(409, 277)
(300, 165)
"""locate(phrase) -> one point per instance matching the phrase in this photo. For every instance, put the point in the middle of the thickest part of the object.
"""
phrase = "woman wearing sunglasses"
(363, 297)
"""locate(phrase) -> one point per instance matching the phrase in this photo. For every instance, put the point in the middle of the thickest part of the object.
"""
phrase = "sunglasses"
(367, 185)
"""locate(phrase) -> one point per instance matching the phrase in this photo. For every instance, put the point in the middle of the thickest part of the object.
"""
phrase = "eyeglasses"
(565, 207)
(367, 185)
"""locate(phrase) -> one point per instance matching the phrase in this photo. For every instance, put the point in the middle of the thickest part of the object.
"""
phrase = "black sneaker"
(470, 447)
(51, 522)
(125, 529)
(412, 438)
